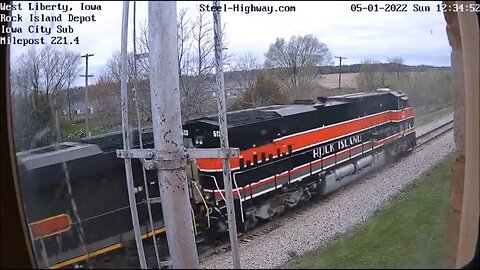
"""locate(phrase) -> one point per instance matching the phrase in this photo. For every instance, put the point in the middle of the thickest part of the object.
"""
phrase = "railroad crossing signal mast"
(169, 157)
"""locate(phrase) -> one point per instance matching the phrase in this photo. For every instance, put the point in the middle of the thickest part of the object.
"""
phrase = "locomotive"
(75, 193)
(288, 153)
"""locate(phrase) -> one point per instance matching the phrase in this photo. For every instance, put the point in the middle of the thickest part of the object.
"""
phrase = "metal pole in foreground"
(140, 139)
(126, 138)
(222, 119)
(168, 136)
(87, 130)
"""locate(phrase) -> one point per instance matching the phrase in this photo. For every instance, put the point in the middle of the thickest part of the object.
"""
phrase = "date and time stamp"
(414, 7)
(34, 23)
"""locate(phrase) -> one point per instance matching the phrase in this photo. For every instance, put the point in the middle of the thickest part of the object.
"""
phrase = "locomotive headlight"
(208, 196)
(198, 140)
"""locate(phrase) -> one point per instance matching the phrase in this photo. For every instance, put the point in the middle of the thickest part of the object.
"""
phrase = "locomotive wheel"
(250, 223)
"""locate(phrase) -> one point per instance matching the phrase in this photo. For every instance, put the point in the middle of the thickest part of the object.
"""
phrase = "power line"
(340, 71)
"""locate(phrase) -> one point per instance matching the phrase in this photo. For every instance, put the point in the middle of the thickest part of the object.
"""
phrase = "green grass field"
(77, 125)
(411, 233)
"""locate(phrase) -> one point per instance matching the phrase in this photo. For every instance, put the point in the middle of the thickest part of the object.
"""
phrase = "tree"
(371, 76)
(114, 67)
(196, 64)
(203, 45)
(196, 61)
(264, 91)
(427, 90)
(396, 63)
(105, 95)
(113, 75)
(185, 31)
(48, 70)
(37, 79)
(243, 74)
(296, 62)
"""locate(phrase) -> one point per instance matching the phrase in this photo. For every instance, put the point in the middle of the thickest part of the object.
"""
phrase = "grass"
(411, 233)
(77, 125)
(426, 118)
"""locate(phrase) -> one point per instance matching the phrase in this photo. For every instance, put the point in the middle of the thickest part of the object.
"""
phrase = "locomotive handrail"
(239, 196)
(208, 209)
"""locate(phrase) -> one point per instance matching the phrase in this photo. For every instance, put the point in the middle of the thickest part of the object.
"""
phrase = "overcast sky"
(417, 37)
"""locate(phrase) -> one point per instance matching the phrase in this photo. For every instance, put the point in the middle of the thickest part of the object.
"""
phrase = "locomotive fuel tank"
(363, 162)
(345, 174)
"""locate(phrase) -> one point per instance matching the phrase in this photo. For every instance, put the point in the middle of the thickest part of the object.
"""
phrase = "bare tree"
(142, 48)
(185, 31)
(71, 75)
(243, 74)
(113, 74)
(48, 70)
(396, 63)
(37, 79)
(114, 68)
(25, 73)
(371, 75)
(296, 62)
(196, 60)
(203, 45)
(184, 37)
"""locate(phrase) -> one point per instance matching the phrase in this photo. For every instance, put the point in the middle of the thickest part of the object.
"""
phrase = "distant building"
(77, 108)
(77, 102)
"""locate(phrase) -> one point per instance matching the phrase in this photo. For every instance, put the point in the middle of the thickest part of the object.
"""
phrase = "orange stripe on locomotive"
(308, 138)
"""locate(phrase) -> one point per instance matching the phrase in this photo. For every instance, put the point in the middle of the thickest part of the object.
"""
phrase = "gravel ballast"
(339, 212)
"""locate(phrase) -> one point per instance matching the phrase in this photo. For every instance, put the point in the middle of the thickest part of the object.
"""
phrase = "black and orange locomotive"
(291, 152)
(288, 153)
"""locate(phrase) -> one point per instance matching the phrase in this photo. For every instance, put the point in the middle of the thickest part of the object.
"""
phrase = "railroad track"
(207, 251)
(434, 133)
(266, 227)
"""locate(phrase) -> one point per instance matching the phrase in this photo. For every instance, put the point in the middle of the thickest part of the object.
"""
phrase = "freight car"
(76, 203)
(75, 195)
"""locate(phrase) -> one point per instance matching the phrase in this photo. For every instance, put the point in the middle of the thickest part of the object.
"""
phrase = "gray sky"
(417, 37)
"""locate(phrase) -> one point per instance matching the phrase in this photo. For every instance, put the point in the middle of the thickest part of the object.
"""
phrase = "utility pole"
(167, 133)
(340, 71)
(87, 131)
